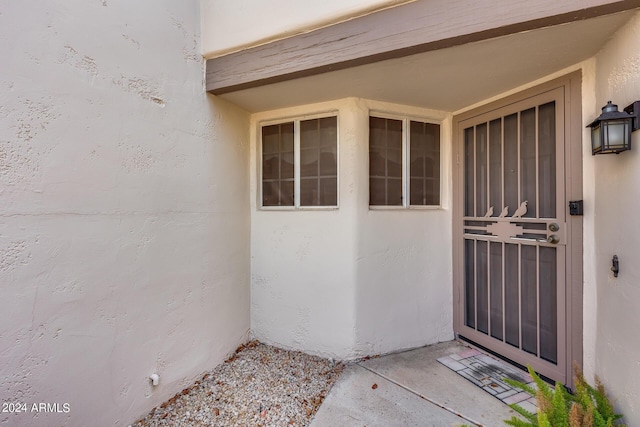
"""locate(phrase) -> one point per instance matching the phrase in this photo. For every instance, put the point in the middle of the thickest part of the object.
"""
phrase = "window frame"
(406, 120)
(296, 161)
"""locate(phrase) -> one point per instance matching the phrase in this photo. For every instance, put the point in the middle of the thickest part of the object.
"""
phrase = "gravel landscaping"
(259, 385)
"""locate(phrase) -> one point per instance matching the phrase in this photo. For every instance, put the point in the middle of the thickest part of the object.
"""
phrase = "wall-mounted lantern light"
(611, 131)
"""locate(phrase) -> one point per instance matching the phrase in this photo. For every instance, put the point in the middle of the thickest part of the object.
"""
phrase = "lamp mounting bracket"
(633, 110)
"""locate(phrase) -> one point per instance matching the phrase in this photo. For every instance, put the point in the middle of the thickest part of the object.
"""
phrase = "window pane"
(270, 166)
(417, 190)
(416, 164)
(286, 193)
(286, 138)
(328, 160)
(319, 162)
(270, 191)
(432, 192)
(270, 139)
(328, 131)
(394, 134)
(394, 191)
(377, 132)
(377, 161)
(318, 192)
(386, 154)
(286, 165)
(385, 161)
(329, 191)
(277, 165)
(309, 192)
(277, 193)
(394, 163)
(377, 191)
(424, 140)
(309, 133)
(309, 162)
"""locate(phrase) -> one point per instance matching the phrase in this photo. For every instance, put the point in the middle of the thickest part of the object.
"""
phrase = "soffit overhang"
(439, 54)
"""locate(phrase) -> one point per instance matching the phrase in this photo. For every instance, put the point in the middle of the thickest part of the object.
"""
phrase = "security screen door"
(512, 235)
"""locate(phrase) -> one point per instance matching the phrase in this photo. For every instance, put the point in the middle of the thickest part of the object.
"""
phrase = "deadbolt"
(554, 227)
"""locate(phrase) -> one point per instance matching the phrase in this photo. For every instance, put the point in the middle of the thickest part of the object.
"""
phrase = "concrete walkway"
(409, 389)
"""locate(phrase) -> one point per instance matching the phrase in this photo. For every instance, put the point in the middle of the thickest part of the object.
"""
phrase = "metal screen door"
(513, 240)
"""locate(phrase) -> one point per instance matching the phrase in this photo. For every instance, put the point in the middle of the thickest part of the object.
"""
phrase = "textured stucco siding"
(131, 241)
(124, 221)
(616, 230)
(351, 282)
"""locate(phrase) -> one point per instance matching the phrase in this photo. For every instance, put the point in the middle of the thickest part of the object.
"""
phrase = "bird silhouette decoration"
(521, 210)
(489, 212)
(504, 212)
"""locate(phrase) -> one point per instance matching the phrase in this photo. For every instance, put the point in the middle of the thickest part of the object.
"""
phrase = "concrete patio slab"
(354, 401)
(413, 389)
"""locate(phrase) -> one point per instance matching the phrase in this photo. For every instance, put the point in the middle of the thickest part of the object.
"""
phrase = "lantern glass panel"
(615, 134)
(596, 138)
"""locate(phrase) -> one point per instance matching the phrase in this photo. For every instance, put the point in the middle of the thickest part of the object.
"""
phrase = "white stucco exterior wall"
(590, 281)
(302, 262)
(616, 229)
(232, 25)
(352, 281)
(404, 296)
(124, 219)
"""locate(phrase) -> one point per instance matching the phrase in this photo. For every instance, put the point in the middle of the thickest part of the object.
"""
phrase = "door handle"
(551, 239)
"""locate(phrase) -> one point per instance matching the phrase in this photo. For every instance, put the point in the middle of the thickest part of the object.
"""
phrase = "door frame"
(571, 85)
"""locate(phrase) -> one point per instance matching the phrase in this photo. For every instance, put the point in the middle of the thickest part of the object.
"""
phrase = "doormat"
(489, 374)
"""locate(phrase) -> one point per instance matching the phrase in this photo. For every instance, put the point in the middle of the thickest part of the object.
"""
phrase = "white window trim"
(296, 161)
(406, 155)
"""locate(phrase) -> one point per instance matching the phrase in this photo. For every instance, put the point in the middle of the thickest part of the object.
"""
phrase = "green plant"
(587, 407)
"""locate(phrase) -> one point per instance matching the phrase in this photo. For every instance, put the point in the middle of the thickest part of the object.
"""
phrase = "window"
(300, 163)
(404, 162)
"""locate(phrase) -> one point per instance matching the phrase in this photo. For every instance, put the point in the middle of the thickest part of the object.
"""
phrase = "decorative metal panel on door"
(514, 232)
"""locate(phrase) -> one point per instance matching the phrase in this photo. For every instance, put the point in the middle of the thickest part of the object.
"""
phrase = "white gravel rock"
(259, 385)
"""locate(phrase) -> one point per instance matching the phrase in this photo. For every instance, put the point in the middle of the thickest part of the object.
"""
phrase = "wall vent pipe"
(155, 379)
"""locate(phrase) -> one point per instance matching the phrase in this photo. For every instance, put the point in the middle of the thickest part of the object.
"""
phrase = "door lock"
(554, 227)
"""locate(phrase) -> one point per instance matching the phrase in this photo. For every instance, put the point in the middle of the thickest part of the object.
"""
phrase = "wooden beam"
(412, 28)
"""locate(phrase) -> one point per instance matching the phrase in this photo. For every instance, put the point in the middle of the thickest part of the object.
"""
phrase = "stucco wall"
(232, 25)
(302, 262)
(590, 280)
(124, 220)
(404, 285)
(616, 228)
(351, 281)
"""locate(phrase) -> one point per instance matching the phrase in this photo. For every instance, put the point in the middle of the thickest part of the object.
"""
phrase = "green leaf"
(554, 404)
